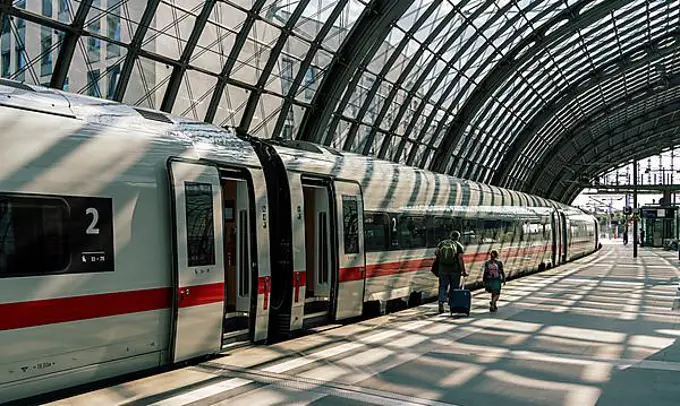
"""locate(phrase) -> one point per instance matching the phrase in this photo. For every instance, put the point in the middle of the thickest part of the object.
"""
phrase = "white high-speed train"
(131, 239)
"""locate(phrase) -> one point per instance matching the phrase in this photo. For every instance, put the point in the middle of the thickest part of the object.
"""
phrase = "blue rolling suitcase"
(460, 300)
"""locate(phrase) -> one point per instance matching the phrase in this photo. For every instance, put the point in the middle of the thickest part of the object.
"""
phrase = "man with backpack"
(449, 254)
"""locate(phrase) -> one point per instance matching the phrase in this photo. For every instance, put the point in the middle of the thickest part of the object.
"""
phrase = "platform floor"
(597, 331)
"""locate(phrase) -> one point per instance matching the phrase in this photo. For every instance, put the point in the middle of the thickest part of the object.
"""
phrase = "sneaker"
(441, 307)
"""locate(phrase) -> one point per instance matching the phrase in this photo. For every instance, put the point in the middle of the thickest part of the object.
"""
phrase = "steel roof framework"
(519, 94)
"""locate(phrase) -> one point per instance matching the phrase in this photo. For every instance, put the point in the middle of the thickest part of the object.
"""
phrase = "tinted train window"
(412, 233)
(350, 217)
(376, 232)
(33, 236)
(442, 227)
(200, 224)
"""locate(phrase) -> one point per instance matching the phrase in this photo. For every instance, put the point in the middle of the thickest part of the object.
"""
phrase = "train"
(132, 239)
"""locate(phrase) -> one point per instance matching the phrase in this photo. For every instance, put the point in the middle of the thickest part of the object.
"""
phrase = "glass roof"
(502, 92)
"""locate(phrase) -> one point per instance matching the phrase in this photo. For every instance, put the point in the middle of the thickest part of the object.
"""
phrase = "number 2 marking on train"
(92, 228)
(394, 225)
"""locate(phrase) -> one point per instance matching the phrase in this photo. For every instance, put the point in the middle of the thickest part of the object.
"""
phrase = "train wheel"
(415, 299)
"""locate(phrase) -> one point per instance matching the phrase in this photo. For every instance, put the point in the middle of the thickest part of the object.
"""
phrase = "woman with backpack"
(494, 276)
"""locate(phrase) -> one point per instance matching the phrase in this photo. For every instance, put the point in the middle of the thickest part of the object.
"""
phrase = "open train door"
(198, 294)
(352, 258)
(566, 232)
(557, 238)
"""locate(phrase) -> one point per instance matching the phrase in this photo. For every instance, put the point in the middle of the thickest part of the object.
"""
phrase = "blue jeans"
(446, 280)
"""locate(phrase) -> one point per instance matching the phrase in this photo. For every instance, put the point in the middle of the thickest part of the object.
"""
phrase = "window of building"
(46, 51)
(94, 45)
(33, 236)
(6, 62)
(47, 8)
(286, 75)
(310, 77)
(93, 83)
(114, 75)
(20, 50)
(200, 224)
(113, 28)
(377, 232)
(350, 217)
(64, 11)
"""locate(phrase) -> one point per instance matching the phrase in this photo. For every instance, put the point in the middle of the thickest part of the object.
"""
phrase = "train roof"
(205, 140)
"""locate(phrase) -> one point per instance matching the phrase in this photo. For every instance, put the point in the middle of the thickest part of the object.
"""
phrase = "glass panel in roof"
(414, 12)
(195, 93)
(148, 82)
(217, 39)
(117, 20)
(231, 106)
(255, 52)
(29, 51)
(318, 13)
(173, 26)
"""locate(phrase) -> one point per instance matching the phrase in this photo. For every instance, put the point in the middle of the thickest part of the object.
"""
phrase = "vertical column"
(635, 209)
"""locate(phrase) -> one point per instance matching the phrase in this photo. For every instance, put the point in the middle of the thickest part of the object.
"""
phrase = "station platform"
(600, 330)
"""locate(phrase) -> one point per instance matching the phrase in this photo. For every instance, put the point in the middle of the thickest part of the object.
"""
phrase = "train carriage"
(118, 230)
(131, 239)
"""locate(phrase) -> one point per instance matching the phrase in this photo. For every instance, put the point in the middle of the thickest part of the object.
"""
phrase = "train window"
(442, 228)
(350, 216)
(376, 232)
(412, 232)
(200, 224)
(33, 236)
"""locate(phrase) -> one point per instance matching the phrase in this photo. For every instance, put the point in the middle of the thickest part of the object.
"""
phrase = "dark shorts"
(493, 285)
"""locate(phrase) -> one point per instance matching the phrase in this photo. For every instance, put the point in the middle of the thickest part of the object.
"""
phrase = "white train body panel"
(101, 324)
(105, 168)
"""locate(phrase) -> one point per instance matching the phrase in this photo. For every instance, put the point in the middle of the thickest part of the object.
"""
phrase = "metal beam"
(179, 71)
(363, 40)
(471, 62)
(542, 85)
(595, 78)
(646, 137)
(289, 99)
(236, 48)
(582, 131)
(502, 13)
(68, 45)
(637, 150)
(525, 50)
(619, 147)
(274, 56)
(134, 48)
(414, 59)
(397, 52)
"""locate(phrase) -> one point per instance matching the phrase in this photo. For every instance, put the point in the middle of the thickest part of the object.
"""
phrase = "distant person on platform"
(449, 254)
(625, 236)
(494, 277)
(642, 237)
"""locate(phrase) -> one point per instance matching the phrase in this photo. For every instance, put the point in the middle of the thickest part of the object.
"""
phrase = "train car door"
(352, 258)
(557, 239)
(198, 294)
(238, 269)
(319, 258)
(565, 236)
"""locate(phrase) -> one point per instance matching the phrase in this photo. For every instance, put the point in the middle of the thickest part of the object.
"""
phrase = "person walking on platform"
(449, 254)
(493, 277)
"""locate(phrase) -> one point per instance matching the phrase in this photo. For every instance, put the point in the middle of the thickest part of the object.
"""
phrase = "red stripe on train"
(50, 311)
(201, 295)
(414, 265)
